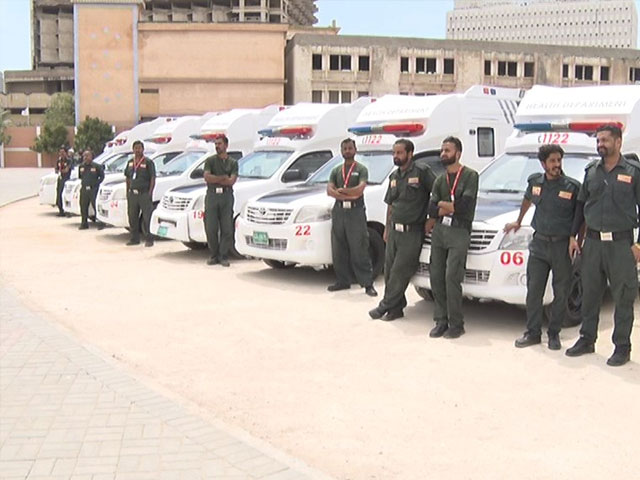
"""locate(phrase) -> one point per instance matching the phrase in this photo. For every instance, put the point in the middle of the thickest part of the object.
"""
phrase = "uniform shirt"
(61, 164)
(555, 202)
(408, 194)
(611, 199)
(359, 174)
(465, 195)
(219, 167)
(140, 178)
(91, 174)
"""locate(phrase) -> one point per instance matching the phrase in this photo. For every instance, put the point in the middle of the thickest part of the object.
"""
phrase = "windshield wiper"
(502, 190)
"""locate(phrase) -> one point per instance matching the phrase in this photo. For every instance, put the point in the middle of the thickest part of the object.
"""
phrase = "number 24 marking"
(303, 230)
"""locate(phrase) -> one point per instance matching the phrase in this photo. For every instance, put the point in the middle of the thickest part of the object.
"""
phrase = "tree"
(53, 136)
(92, 133)
(4, 123)
(62, 110)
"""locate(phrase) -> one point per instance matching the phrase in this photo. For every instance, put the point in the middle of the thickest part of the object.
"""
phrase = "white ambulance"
(293, 226)
(296, 142)
(240, 125)
(496, 263)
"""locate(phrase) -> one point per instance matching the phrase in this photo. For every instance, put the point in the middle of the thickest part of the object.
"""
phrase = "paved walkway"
(70, 413)
(19, 183)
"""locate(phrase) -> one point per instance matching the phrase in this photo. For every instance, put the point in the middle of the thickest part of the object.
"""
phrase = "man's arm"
(515, 226)
(353, 193)
(387, 225)
(100, 174)
(152, 171)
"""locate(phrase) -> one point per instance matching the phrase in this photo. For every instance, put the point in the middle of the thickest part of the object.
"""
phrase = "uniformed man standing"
(220, 173)
(63, 169)
(349, 234)
(140, 173)
(452, 208)
(608, 203)
(91, 175)
(407, 198)
(555, 196)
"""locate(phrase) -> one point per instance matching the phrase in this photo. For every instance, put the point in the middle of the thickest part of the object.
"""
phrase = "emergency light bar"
(295, 132)
(161, 140)
(392, 128)
(207, 137)
(585, 127)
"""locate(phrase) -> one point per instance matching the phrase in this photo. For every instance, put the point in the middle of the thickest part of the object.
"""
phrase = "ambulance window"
(317, 61)
(486, 142)
(404, 64)
(306, 165)
(430, 159)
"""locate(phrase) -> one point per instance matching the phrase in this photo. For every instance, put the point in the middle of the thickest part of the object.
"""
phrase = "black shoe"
(213, 261)
(393, 314)
(93, 219)
(377, 313)
(224, 262)
(581, 347)
(370, 290)
(100, 226)
(439, 329)
(132, 242)
(621, 355)
(60, 214)
(83, 227)
(528, 339)
(148, 243)
(454, 332)
(338, 286)
(554, 341)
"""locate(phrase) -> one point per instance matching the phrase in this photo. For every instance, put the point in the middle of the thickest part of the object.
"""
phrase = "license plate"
(261, 238)
(162, 231)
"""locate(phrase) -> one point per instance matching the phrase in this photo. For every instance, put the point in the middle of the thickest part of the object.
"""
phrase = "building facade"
(597, 23)
(332, 69)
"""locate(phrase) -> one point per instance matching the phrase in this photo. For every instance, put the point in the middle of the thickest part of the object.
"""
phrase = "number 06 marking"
(517, 258)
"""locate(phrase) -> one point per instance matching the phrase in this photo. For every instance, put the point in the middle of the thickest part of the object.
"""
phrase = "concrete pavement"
(20, 183)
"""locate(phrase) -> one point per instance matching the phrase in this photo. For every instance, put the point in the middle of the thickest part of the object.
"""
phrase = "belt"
(346, 204)
(137, 191)
(219, 190)
(550, 238)
(610, 236)
(407, 227)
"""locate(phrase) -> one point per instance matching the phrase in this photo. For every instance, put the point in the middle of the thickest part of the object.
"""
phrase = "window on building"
(565, 70)
(421, 66)
(334, 96)
(340, 62)
(486, 142)
(363, 63)
(512, 69)
(345, 62)
(345, 96)
(316, 96)
(431, 65)
(363, 94)
(449, 66)
(316, 60)
(528, 69)
(588, 72)
(404, 64)
(487, 67)
(334, 62)
(634, 75)
(502, 69)
(584, 72)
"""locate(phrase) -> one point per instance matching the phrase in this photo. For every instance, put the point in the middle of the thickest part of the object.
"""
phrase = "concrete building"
(330, 69)
(598, 23)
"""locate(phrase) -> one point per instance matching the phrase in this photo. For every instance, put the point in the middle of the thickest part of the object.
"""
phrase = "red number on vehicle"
(198, 214)
(554, 137)
(303, 230)
(273, 141)
(517, 258)
(372, 140)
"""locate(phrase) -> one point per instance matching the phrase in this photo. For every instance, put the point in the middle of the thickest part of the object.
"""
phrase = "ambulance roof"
(170, 127)
(400, 107)
(303, 114)
(223, 120)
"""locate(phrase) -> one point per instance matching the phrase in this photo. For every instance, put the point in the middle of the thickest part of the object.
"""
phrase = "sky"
(401, 18)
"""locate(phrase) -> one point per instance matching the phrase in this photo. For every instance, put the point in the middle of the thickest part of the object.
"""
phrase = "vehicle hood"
(499, 209)
(291, 194)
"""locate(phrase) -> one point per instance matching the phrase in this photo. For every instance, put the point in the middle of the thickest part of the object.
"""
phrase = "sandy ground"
(275, 354)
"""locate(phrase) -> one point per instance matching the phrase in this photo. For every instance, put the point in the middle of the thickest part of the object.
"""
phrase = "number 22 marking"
(303, 230)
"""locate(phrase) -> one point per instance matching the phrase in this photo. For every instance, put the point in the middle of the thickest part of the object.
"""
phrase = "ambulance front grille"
(480, 239)
(270, 216)
(470, 276)
(175, 203)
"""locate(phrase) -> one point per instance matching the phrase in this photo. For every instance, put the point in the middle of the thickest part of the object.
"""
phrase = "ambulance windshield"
(379, 165)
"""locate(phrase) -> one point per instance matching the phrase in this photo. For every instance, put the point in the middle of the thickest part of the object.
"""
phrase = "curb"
(16, 200)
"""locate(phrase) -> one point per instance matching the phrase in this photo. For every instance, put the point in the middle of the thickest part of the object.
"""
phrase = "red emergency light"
(160, 140)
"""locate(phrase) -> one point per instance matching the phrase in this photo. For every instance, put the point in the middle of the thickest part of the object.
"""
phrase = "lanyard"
(136, 164)
(452, 190)
(347, 177)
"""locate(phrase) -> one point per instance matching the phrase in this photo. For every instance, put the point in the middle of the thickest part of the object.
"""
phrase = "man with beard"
(220, 173)
(140, 174)
(349, 234)
(452, 208)
(608, 203)
(91, 175)
(407, 198)
(63, 169)
(554, 196)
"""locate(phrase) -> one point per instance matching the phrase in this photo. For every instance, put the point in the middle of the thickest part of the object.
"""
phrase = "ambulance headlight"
(119, 194)
(199, 203)
(313, 213)
(518, 240)
(243, 212)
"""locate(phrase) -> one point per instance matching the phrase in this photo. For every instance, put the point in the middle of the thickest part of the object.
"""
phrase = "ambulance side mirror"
(197, 173)
(291, 176)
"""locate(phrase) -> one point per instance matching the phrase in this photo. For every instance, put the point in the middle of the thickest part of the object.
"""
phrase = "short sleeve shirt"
(555, 202)
(358, 175)
(219, 167)
(140, 176)
(467, 187)
(91, 174)
(408, 194)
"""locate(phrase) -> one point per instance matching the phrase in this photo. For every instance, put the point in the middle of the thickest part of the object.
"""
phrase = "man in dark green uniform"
(608, 203)
(140, 173)
(349, 235)
(451, 211)
(220, 173)
(91, 175)
(63, 169)
(555, 196)
(407, 199)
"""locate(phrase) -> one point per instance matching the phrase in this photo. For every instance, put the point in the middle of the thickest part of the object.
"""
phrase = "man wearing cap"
(63, 169)
(140, 174)
(220, 173)
(91, 175)
(407, 198)
(349, 234)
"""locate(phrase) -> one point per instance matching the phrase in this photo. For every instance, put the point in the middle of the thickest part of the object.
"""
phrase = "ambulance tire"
(376, 251)
(425, 293)
(277, 264)
(195, 245)
(233, 253)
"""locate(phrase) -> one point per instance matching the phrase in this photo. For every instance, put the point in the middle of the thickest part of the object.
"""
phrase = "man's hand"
(635, 249)
(446, 208)
(574, 248)
(429, 226)
(513, 226)
(385, 235)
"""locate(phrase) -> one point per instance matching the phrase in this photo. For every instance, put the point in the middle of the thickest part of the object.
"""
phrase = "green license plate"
(162, 231)
(260, 238)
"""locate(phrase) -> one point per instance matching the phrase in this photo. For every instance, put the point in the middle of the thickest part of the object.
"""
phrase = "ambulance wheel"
(195, 245)
(277, 264)
(425, 293)
(376, 251)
